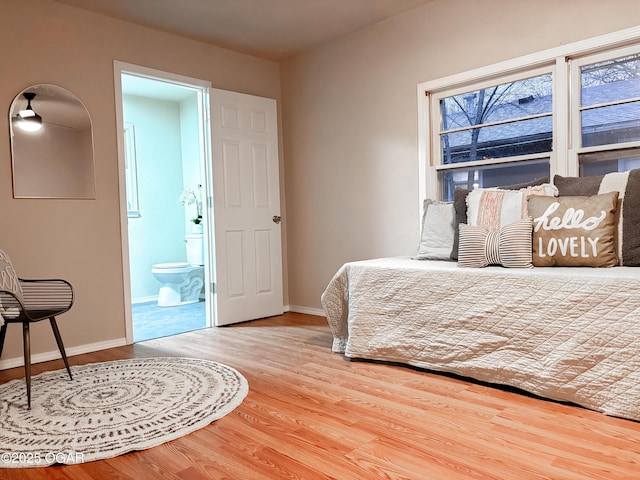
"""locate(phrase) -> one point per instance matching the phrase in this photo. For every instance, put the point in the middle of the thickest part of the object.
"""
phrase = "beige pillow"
(509, 247)
(574, 231)
(627, 184)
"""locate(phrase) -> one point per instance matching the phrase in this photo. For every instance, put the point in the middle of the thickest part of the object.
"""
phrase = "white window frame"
(576, 88)
(564, 158)
(437, 96)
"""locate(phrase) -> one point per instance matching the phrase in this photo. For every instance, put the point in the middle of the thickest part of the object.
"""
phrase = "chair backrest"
(8, 283)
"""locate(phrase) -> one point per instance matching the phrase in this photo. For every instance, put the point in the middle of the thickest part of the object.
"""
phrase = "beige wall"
(350, 119)
(45, 42)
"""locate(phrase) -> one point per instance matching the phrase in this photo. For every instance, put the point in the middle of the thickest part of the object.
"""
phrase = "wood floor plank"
(312, 414)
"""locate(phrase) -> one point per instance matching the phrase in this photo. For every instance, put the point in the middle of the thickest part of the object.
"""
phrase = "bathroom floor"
(151, 321)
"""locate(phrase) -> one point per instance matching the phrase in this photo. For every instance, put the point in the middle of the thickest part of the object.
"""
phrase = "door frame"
(203, 87)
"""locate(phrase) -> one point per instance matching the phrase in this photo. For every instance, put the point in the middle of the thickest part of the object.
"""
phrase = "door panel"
(246, 198)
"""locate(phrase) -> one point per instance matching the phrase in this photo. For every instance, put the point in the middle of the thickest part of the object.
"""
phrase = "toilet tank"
(195, 248)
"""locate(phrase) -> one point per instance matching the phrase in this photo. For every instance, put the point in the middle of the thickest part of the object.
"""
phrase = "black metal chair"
(28, 301)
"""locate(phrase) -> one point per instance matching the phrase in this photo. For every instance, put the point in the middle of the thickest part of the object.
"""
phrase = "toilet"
(182, 281)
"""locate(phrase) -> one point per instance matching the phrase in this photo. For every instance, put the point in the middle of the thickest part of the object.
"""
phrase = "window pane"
(468, 130)
(600, 163)
(130, 166)
(500, 175)
(610, 125)
(508, 101)
(610, 81)
(499, 141)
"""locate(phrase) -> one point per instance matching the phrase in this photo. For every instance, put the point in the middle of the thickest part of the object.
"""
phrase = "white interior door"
(244, 140)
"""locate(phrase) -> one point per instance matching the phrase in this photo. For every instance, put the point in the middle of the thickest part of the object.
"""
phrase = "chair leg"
(56, 333)
(27, 360)
(3, 333)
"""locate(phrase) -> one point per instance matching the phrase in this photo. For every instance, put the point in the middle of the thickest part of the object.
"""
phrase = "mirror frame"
(65, 142)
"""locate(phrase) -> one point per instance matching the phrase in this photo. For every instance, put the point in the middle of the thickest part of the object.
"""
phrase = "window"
(599, 163)
(607, 112)
(498, 134)
(130, 168)
(572, 110)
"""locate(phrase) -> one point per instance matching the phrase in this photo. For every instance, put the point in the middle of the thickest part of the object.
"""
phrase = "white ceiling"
(273, 29)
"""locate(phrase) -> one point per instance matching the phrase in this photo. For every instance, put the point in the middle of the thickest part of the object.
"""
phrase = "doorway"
(165, 183)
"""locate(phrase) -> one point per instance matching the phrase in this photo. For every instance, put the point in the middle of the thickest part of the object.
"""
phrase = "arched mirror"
(51, 144)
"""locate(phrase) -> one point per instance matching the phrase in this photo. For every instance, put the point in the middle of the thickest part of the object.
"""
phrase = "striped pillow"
(510, 246)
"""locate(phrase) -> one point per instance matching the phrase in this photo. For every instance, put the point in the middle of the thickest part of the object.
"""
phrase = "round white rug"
(112, 408)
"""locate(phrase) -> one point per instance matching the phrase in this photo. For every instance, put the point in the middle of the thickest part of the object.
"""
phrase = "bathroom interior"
(164, 178)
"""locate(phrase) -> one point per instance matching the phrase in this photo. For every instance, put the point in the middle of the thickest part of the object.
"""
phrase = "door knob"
(277, 219)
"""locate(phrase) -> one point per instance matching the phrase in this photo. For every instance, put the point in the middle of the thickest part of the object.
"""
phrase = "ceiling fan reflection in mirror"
(27, 119)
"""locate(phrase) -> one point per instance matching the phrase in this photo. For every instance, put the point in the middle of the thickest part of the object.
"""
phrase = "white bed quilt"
(570, 334)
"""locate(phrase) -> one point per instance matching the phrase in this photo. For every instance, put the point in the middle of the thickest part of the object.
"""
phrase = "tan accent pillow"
(574, 231)
(627, 184)
(509, 247)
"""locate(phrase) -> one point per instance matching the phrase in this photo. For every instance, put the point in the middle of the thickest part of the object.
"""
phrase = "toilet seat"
(174, 268)
(171, 265)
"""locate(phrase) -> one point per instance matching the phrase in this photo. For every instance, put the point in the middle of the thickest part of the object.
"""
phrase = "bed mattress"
(569, 334)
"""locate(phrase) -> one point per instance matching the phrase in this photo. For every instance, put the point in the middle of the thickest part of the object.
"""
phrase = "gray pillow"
(438, 224)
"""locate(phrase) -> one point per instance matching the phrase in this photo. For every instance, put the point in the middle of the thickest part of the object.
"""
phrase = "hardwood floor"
(312, 414)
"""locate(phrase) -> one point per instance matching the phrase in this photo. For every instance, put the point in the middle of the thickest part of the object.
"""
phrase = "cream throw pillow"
(494, 208)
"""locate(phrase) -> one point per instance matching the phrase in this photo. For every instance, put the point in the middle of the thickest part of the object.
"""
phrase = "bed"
(566, 333)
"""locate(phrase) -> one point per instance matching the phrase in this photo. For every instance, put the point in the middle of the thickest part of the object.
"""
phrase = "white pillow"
(494, 208)
(438, 228)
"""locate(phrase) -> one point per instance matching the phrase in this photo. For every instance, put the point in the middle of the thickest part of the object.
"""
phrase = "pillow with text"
(627, 184)
(574, 231)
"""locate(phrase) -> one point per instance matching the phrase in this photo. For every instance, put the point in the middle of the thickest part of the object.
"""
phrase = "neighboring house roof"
(620, 122)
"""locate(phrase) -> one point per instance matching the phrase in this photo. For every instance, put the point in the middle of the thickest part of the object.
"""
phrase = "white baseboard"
(309, 311)
(55, 354)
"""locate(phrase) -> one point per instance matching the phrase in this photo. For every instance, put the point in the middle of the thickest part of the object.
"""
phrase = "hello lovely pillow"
(574, 231)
